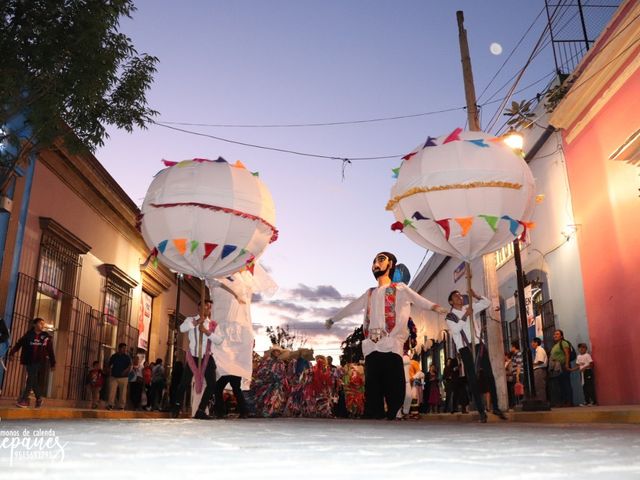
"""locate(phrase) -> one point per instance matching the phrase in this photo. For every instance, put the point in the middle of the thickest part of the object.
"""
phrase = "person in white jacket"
(459, 326)
(200, 361)
(232, 297)
(387, 309)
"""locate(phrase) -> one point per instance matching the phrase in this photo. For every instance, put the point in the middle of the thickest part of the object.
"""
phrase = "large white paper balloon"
(463, 195)
(208, 218)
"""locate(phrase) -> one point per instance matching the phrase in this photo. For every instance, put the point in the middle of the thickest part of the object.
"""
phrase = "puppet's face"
(381, 265)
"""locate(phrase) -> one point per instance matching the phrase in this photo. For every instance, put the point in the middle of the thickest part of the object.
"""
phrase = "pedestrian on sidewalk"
(510, 375)
(96, 382)
(119, 367)
(136, 383)
(584, 363)
(37, 349)
(540, 362)
(560, 371)
(432, 393)
(158, 383)
(518, 371)
(147, 369)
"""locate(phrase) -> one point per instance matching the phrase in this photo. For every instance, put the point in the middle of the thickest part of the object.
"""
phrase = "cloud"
(256, 298)
(304, 310)
(321, 292)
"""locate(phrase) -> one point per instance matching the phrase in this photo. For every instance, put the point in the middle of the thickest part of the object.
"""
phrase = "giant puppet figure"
(387, 308)
(232, 312)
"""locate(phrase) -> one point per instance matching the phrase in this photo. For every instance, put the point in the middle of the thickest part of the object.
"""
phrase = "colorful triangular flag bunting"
(444, 223)
(491, 220)
(228, 249)
(208, 248)
(395, 171)
(220, 160)
(162, 246)
(430, 142)
(180, 244)
(513, 224)
(168, 163)
(397, 226)
(465, 224)
(479, 143)
(419, 216)
(239, 164)
(409, 155)
(407, 223)
(453, 136)
(194, 244)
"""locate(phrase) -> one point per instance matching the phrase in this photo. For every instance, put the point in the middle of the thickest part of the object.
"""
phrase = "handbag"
(518, 389)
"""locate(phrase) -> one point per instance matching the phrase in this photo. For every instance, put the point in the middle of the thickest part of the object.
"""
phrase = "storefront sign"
(144, 321)
(458, 273)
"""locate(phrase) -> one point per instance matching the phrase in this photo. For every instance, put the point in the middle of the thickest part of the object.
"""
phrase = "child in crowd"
(584, 363)
(433, 399)
(96, 381)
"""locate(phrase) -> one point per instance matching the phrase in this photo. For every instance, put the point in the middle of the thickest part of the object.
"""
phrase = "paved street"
(306, 448)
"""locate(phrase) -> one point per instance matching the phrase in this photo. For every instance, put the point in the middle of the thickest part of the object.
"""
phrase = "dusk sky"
(300, 62)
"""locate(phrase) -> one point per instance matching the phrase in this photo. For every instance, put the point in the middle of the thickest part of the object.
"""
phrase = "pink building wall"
(607, 209)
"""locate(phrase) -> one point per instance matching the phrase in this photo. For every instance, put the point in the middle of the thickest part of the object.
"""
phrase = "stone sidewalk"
(627, 414)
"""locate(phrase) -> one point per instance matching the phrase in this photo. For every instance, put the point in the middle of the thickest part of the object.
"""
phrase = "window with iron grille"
(60, 259)
(116, 311)
(56, 286)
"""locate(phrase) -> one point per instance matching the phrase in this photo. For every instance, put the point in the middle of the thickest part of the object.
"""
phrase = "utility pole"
(494, 321)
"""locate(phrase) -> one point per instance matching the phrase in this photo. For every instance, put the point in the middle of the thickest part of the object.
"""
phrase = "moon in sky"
(495, 48)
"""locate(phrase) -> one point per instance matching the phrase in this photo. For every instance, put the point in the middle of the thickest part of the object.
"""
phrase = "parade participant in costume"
(353, 383)
(460, 330)
(232, 312)
(406, 363)
(387, 310)
(199, 330)
(270, 383)
(300, 376)
(318, 391)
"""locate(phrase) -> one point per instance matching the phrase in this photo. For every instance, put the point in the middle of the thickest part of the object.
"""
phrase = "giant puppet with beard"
(386, 314)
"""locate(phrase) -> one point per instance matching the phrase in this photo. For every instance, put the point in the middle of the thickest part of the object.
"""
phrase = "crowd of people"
(552, 372)
(387, 384)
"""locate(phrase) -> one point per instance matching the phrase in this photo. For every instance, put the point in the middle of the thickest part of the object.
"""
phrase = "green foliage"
(352, 347)
(65, 65)
(520, 114)
(555, 95)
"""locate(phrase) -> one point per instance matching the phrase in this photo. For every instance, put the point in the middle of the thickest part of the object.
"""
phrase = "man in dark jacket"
(37, 349)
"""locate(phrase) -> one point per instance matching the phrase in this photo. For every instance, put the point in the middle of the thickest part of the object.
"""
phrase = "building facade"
(600, 126)
(82, 268)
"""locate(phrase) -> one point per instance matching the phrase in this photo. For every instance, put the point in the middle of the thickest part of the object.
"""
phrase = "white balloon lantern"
(463, 195)
(208, 218)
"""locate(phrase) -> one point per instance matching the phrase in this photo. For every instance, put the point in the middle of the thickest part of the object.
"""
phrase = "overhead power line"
(343, 158)
(513, 50)
(317, 124)
(276, 149)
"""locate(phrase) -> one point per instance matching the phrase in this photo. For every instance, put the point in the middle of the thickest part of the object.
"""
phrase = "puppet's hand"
(328, 323)
(440, 309)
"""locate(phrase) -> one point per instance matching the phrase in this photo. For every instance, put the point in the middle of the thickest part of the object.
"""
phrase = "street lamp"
(514, 140)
